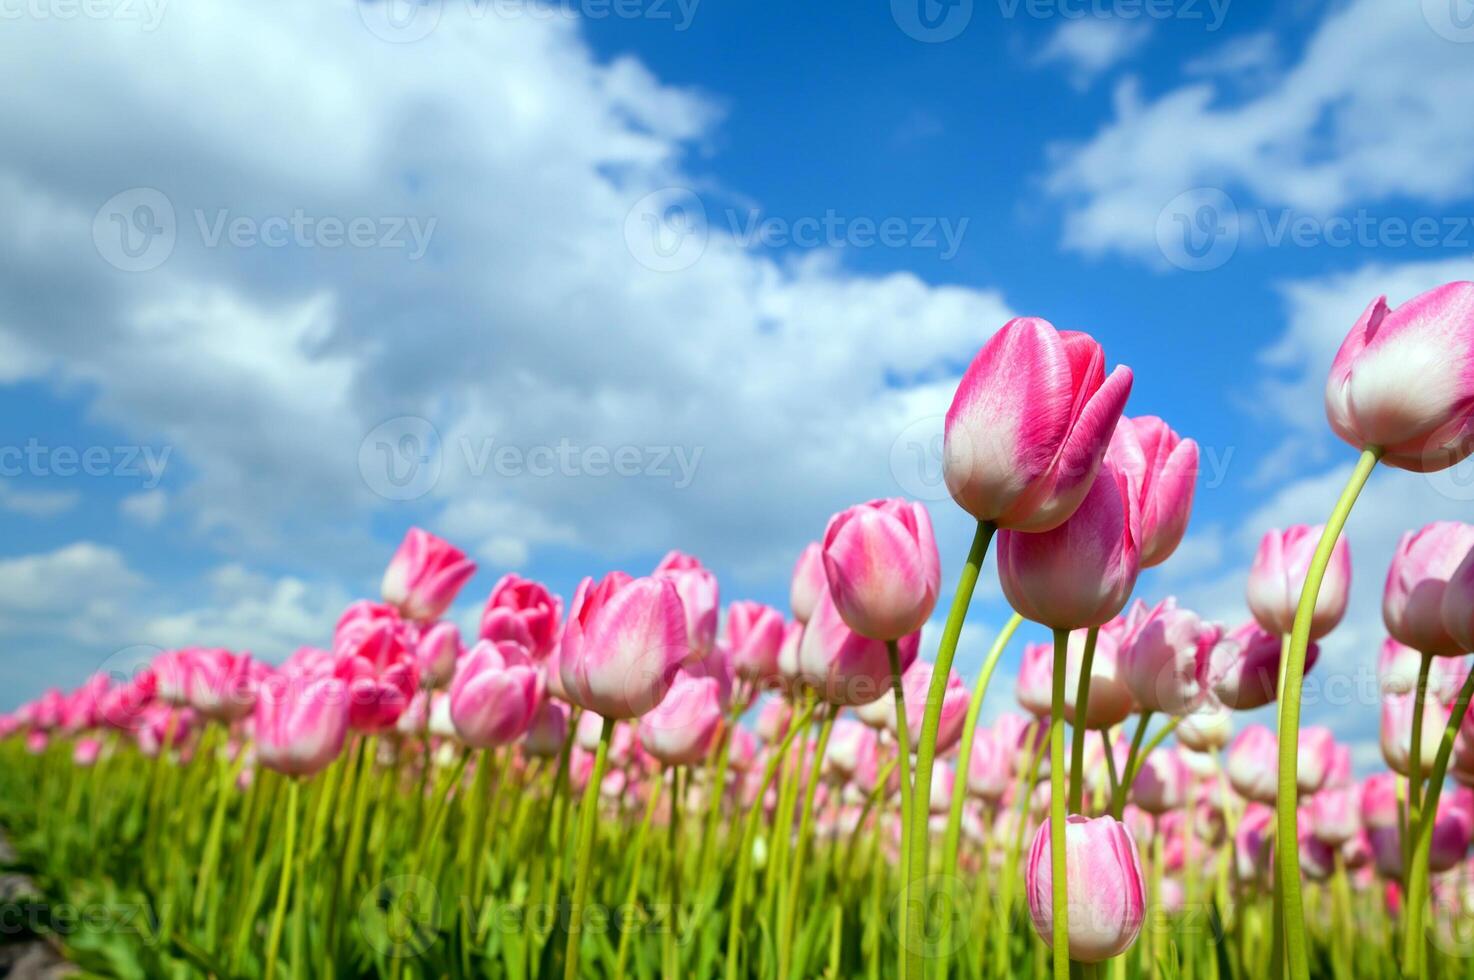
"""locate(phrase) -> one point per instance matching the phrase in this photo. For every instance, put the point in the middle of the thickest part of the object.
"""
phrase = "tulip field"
(642, 781)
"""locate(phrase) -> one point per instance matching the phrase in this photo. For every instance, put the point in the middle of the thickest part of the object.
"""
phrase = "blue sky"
(572, 286)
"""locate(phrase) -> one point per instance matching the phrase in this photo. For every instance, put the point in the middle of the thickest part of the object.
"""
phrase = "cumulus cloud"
(1090, 46)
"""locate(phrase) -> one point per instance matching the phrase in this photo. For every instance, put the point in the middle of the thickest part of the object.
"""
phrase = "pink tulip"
(1313, 752)
(425, 575)
(524, 611)
(1356, 853)
(990, 770)
(1035, 684)
(773, 719)
(1253, 764)
(375, 659)
(844, 667)
(122, 707)
(81, 710)
(790, 673)
(1208, 728)
(1103, 882)
(548, 731)
(1029, 425)
(882, 566)
(300, 725)
(1380, 804)
(163, 727)
(853, 747)
(1278, 573)
(1335, 814)
(37, 742)
(1081, 573)
(86, 751)
(623, 643)
(916, 689)
(495, 694)
(1397, 731)
(222, 684)
(1110, 701)
(1244, 666)
(683, 728)
(1161, 782)
(1165, 468)
(1386, 845)
(1412, 602)
(1401, 380)
(309, 662)
(174, 670)
(810, 581)
(754, 637)
(1339, 773)
(700, 599)
(1165, 659)
(1254, 842)
(1457, 607)
(1317, 858)
(1452, 827)
(437, 650)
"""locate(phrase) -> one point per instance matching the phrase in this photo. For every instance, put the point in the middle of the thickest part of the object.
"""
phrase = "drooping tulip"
(1029, 425)
(425, 575)
(842, 666)
(1278, 574)
(1412, 601)
(754, 637)
(882, 566)
(1081, 573)
(524, 611)
(1253, 761)
(1104, 883)
(623, 643)
(700, 598)
(300, 723)
(1402, 380)
(1244, 666)
(684, 727)
(1165, 659)
(494, 694)
(1165, 469)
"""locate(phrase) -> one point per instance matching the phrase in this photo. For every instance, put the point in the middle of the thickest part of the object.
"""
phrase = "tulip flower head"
(495, 694)
(375, 658)
(1278, 574)
(1244, 666)
(300, 724)
(1166, 658)
(1253, 764)
(842, 666)
(623, 643)
(1164, 466)
(684, 727)
(1103, 882)
(524, 611)
(1208, 728)
(437, 650)
(882, 567)
(1412, 601)
(425, 575)
(754, 637)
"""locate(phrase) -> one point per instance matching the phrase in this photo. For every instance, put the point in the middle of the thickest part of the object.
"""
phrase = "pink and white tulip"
(1417, 578)
(425, 576)
(495, 694)
(1165, 469)
(623, 643)
(1165, 659)
(1103, 883)
(299, 724)
(525, 612)
(881, 562)
(1278, 574)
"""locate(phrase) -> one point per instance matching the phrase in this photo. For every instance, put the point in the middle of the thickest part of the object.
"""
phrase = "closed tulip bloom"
(375, 659)
(1317, 858)
(1254, 843)
(1386, 845)
(1034, 686)
(523, 611)
(425, 575)
(700, 598)
(852, 746)
(916, 688)
(1081, 573)
(1208, 728)
(547, 733)
(1165, 660)
(1402, 380)
(809, 582)
(1278, 574)
(1110, 701)
(754, 637)
(223, 684)
(494, 695)
(1457, 607)
(882, 567)
(1244, 666)
(437, 650)
(1339, 774)
(1380, 805)
(1356, 853)
(1161, 782)
(623, 643)
(1165, 468)
(1029, 425)
(1452, 827)
(790, 674)
(684, 727)
(1103, 882)
(842, 666)
(300, 724)
(1335, 814)
(1397, 731)
(1313, 753)
(990, 770)
(773, 719)
(1412, 601)
(1253, 764)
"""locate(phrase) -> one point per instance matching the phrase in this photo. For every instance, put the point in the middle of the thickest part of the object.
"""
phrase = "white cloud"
(1091, 45)
(61, 580)
(147, 508)
(1374, 109)
(37, 503)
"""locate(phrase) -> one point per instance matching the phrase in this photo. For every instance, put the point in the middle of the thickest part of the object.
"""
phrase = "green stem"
(1082, 704)
(670, 963)
(1287, 858)
(1414, 756)
(791, 913)
(586, 816)
(1118, 803)
(632, 891)
(1061, 933)
(926, 748)
(279, 917)
(952, 840)
(908, 818)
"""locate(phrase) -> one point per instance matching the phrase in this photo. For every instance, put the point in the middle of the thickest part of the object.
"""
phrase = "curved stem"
(279, 917)
(1287, 858)
(926, 748)
(585, 850)
(908, 818)
(1061, 932)
(1118, 803)
(1414, 756)
(1082, 704)
(1414, 954)
(950, 843)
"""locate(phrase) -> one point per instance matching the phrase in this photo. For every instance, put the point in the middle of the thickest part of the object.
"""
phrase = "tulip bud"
(548, 732)
(300, 723)
(1244, 666)
(700, 599)
(1103, 883)
(525, 612)
(425, 575)
(844, 667)
(1277, 576)
(682, 729)
(494, 694)
(1166, 659)
(1253, 764)
(1165, 468)
(882, 567)
(1081, 573)
(1207, 729)
(623, 643)
(1399, 381)
(1412, 601)
(1029, 425)
(754, 636)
